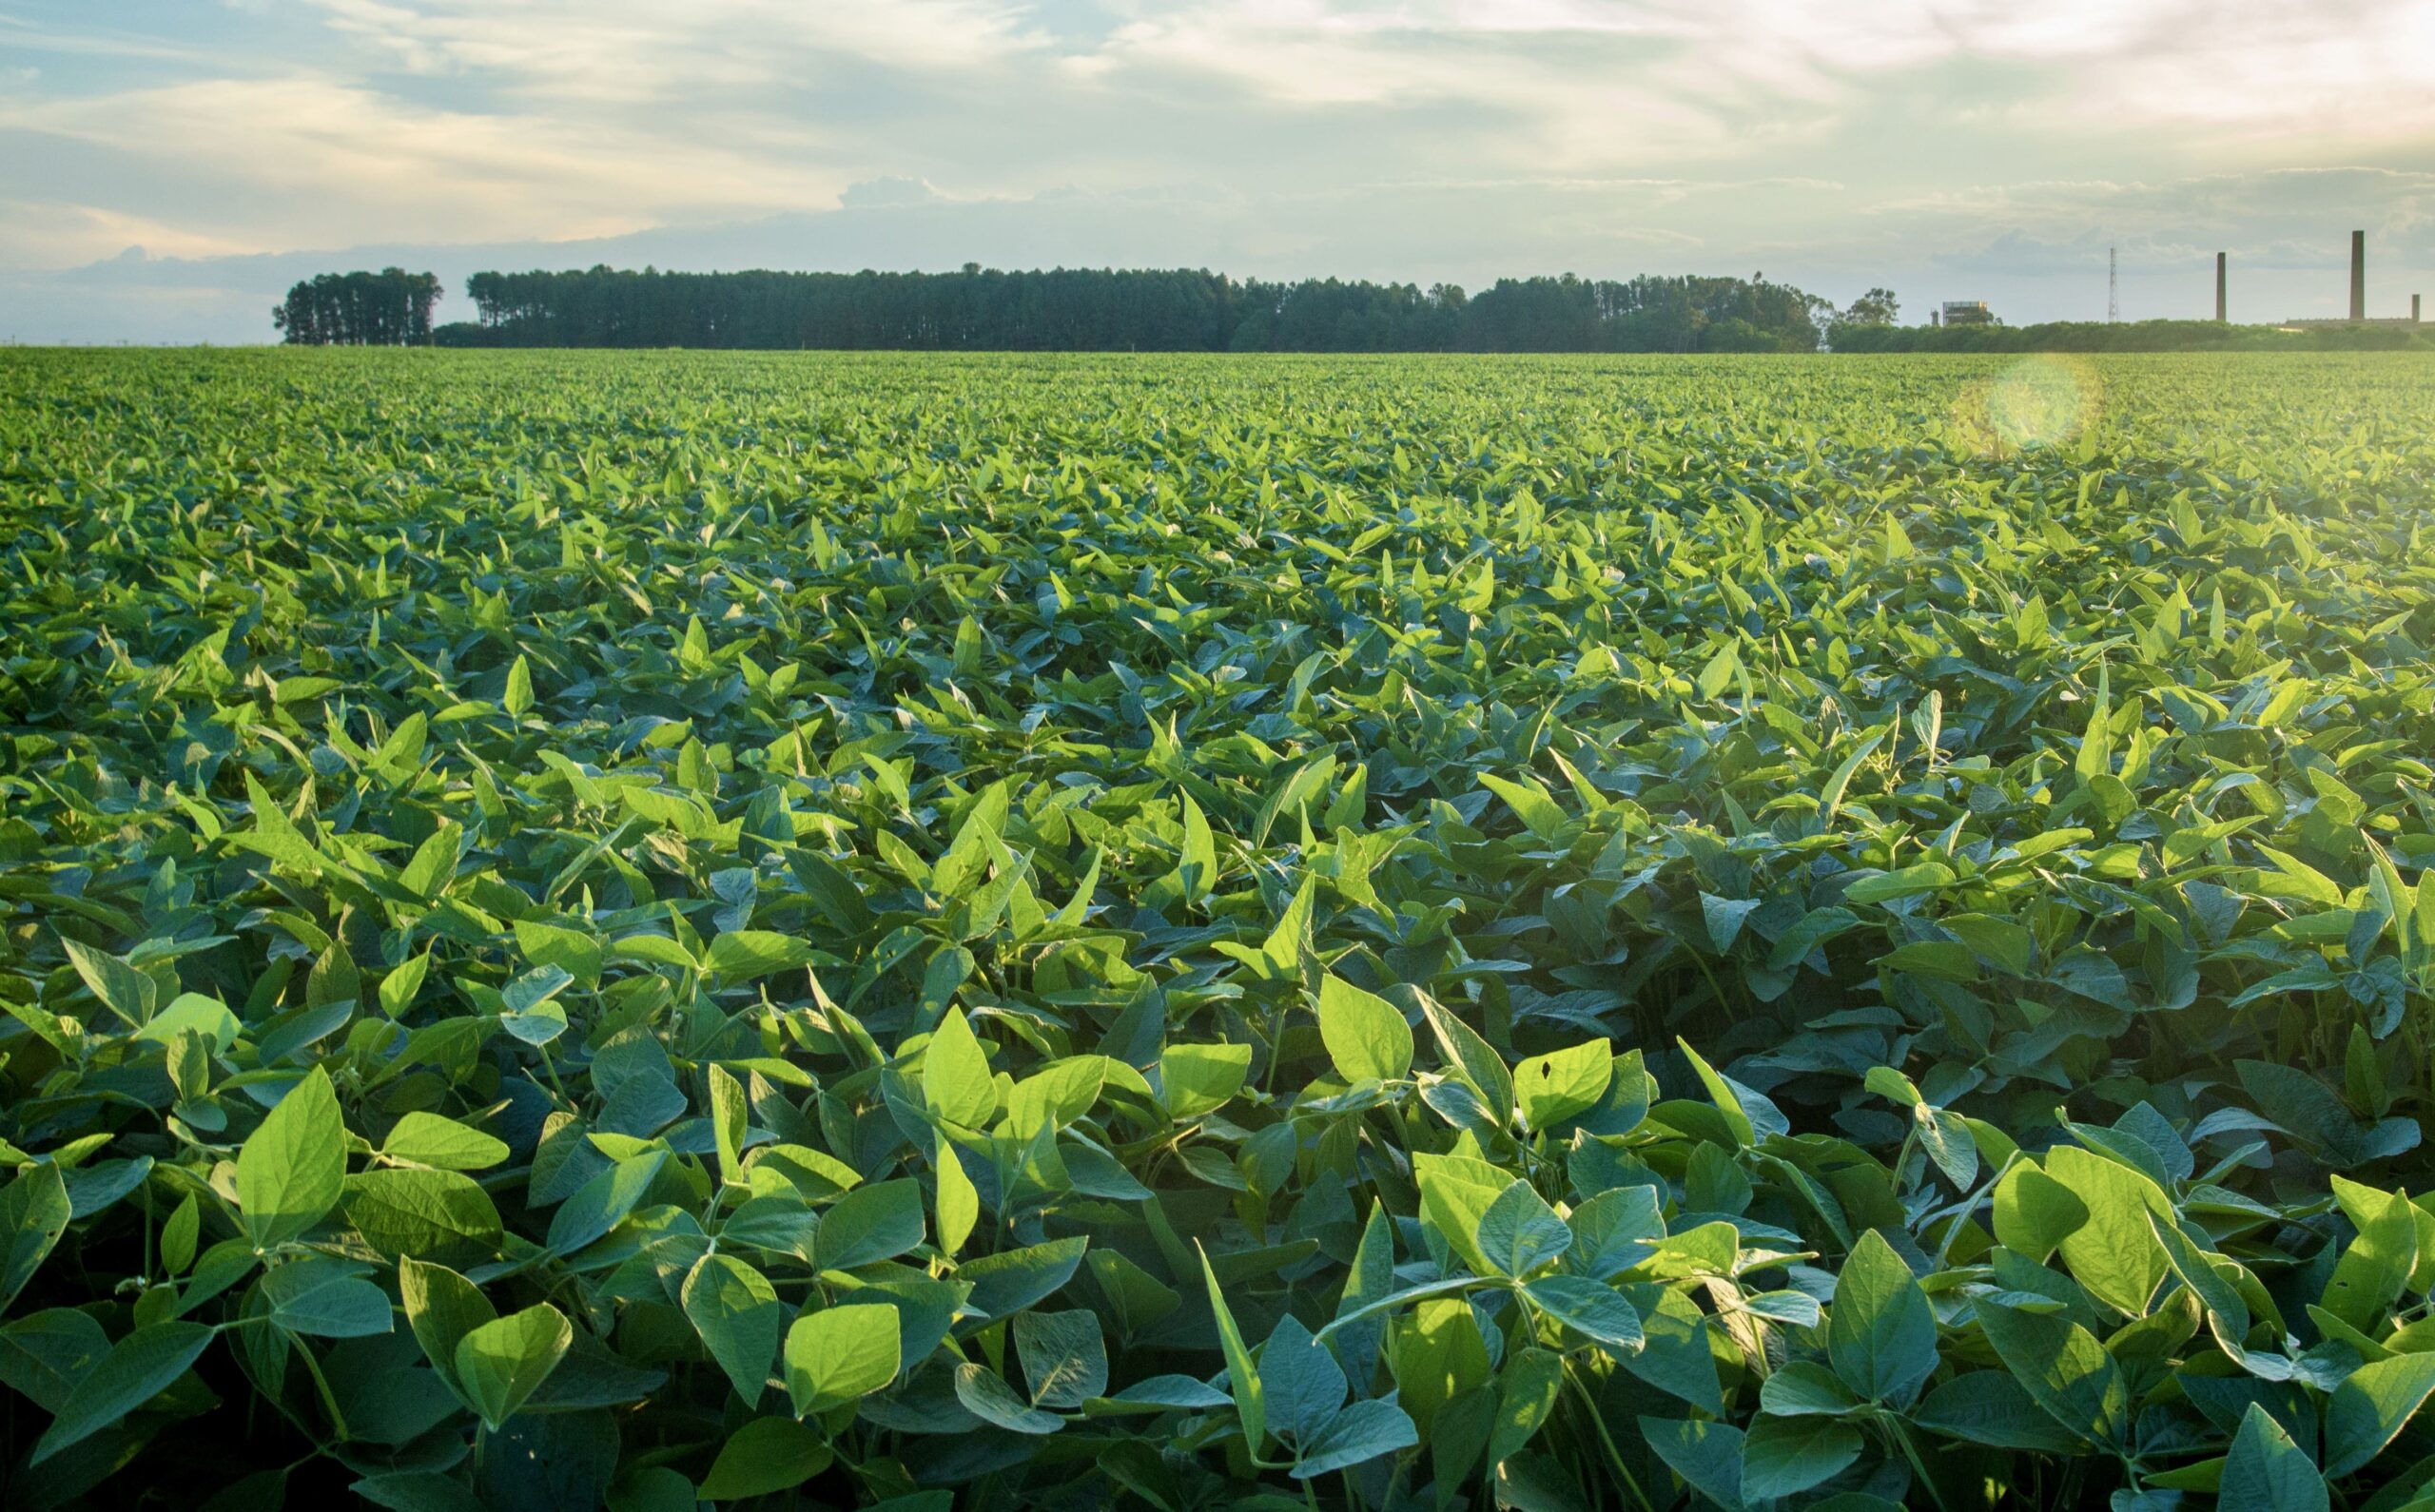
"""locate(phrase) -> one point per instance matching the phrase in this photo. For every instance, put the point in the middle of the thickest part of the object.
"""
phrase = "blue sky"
(1950, 148)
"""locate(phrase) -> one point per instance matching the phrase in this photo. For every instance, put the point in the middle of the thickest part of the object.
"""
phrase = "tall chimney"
(2413, 309)
(2219, 288)
(2358, 275)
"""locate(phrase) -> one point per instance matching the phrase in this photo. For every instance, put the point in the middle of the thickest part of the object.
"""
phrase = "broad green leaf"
(2063, 1369)
(1589, 1308)
(138, 1369)
(602, 1202)
(33, 1213)
(503, 1363)
(1880, 1333)
(2266, 1472)
(1064, 1359)
(1366, 1037)
(428, 1140)
(442, 1308)
(1519, 1232)
(2370, 1406)
(956, 1076)
(2113, 1254)
(1300, 1385)
(2034, 1213)
(957, 1201)
(1361, 1432)
(1554, 1087)
(735, 1310)
(1784, 1457)
(841, 1355)
(325, 1298)
(764, 1456)
(1200, 1079)
(292, 1169)
(869, 1224)
(2375, 1268)
(988, 1398)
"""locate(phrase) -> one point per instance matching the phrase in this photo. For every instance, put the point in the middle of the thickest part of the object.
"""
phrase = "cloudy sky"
(167, 167)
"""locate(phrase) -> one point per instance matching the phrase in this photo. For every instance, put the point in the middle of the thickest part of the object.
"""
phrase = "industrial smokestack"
(2413, 309)
(2358, 275)
(2219, 288)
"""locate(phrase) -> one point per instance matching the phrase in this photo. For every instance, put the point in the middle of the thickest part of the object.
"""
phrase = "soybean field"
(908, 931)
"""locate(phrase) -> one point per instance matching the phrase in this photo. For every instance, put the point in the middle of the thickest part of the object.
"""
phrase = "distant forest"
(1091, 310)
(2124, 336)
(1190, 310)
(388, 308)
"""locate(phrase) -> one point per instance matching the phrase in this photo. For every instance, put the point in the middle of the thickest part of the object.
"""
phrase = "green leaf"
(1589, 1308)
(500, 1364)
(1519, 1232)
(869, 1224)
(122, 989)
(1472, 1057)
(1539, 813)
(957, 1202)
(1806, 1389)
(33, 1213)
(988, 1398)
(1908, 881)
(735, 1310)
(1784, 1457)
(602, 1202)
(2265, 1471)
(138, 1369)
(1990, 1407)
(2370, 1406)
(1243, 1379)
(2034, 1213)
(743, 955)
(2064, 1371)
(1200, 1079)
(326, 1298)
(442, 1308)
(292, 1169)
(1554, 1087)
(1366, 1038)
(518, 696)
(1300, 1385)
(764, 1456)
(955, 1074)
(2376, 1269)
(1362, 1431)
(428, 1140)
(1064, 1359)
(1880, 1333)
(841, 1355)
(1708, 1454)
(2113, 1254)
(727, 1123)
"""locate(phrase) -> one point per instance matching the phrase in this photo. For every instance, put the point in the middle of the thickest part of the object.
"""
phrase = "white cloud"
(344, 162)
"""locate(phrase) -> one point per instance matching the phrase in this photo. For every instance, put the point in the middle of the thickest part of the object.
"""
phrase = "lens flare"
(2044, 400)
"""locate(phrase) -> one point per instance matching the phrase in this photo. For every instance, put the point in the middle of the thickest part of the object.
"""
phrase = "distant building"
(1967, 312)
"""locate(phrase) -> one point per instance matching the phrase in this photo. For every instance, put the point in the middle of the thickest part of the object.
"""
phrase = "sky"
(169, 166)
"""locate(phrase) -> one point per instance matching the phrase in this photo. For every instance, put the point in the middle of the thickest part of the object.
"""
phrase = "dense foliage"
(1152, 310)
(1555, 934)
(388, 308)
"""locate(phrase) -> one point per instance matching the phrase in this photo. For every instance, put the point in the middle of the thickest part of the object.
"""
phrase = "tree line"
(2118, 336)
(1099, 310)
(388, 308)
